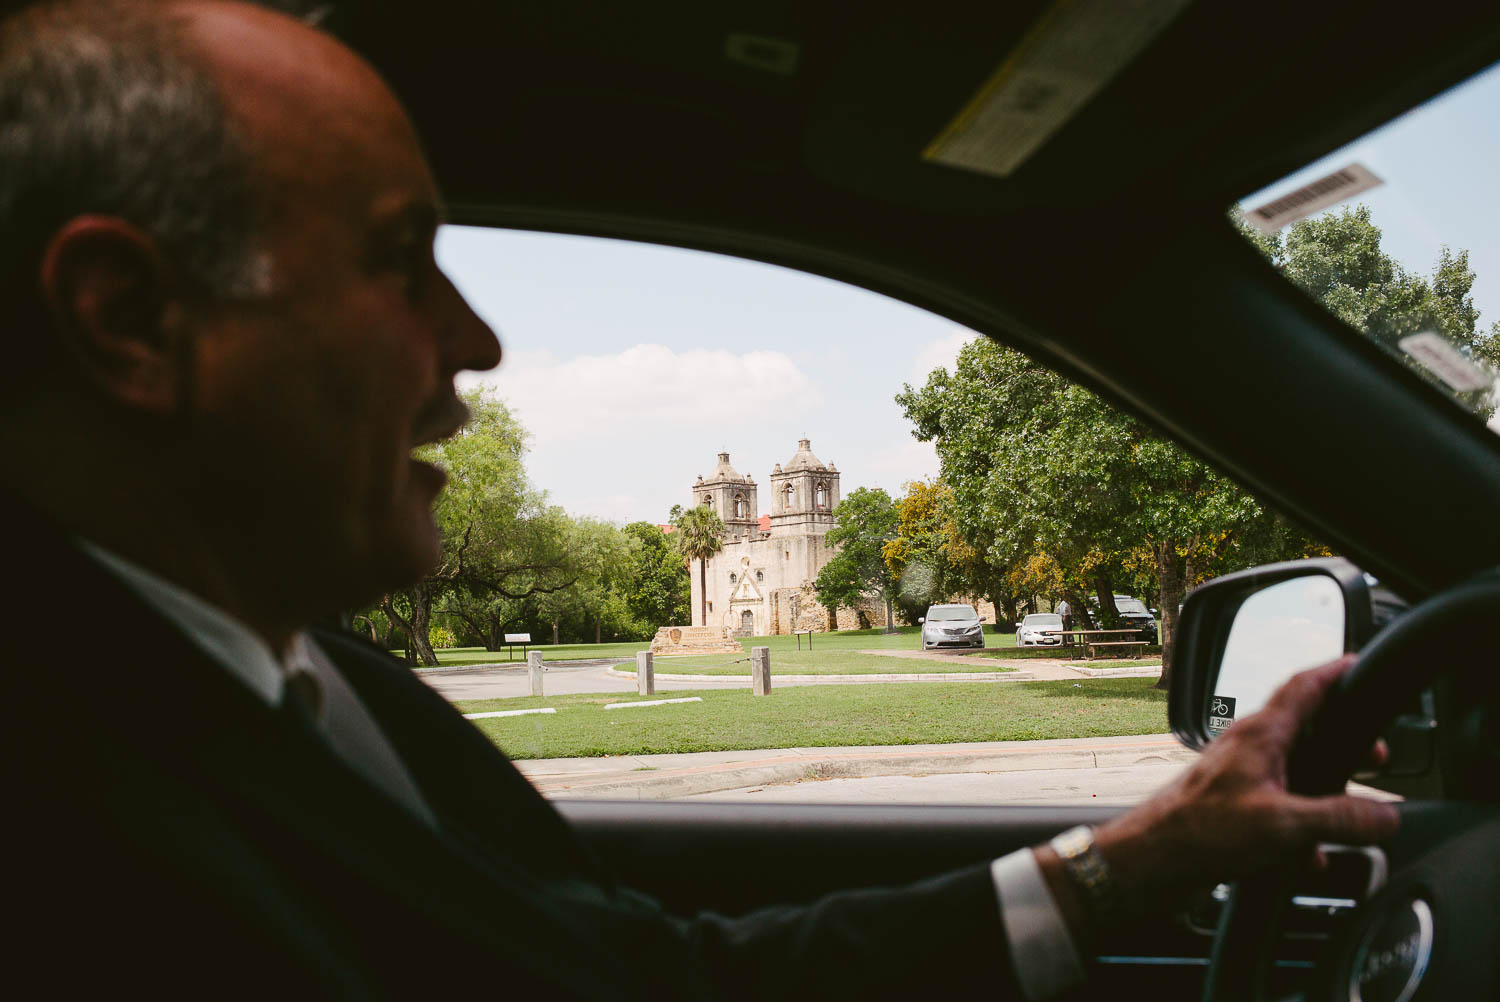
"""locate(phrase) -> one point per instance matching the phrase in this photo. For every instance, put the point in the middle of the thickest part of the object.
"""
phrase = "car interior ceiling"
(629, 121)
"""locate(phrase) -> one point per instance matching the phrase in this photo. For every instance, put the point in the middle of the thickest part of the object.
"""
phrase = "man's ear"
(108, 290)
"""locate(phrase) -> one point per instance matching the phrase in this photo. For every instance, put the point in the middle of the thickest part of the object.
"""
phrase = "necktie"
(302, 697)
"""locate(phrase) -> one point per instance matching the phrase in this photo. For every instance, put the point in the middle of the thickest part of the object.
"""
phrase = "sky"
(632, 365)
(1438, 162)
(1278, 632)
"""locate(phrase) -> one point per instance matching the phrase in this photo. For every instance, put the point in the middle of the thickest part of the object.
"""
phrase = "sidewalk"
(1039, 668)
(654, 777)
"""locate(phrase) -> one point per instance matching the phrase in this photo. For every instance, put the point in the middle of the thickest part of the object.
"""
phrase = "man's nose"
(469, 341)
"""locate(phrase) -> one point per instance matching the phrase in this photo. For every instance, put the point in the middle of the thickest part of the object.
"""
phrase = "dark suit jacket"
(169, 831)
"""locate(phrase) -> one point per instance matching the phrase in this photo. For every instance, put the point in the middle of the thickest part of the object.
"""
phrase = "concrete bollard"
(534, 668)
(645, 673)
(760, 670)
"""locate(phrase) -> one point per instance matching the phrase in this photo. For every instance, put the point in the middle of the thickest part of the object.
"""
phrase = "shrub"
(441, 637)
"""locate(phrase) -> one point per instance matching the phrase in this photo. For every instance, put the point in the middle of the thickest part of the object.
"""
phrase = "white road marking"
(508, 713)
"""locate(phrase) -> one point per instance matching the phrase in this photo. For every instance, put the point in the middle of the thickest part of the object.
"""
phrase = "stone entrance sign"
(671, 640)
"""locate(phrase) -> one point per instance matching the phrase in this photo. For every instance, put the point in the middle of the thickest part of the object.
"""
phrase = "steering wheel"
(1432, 931)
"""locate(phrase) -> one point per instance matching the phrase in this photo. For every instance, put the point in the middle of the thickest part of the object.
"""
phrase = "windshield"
(1132, 606)
(942, 613)
(1398, 235)
(1044, 620)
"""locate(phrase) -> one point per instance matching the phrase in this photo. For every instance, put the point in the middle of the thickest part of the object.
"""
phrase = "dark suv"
(1134, 613)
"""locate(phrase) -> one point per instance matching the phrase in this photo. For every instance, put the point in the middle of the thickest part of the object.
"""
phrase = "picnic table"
(1092, 640)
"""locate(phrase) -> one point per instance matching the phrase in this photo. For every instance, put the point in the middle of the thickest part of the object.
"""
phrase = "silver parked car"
(951, 626)
(1040, 629)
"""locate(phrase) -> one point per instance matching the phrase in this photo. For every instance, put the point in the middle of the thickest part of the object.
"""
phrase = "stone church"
(762, 581)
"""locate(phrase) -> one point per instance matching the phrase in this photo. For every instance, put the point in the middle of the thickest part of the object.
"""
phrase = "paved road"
(559, 680)
(562, 679)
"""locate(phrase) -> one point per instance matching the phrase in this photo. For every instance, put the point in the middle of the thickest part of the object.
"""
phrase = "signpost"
(517, 638)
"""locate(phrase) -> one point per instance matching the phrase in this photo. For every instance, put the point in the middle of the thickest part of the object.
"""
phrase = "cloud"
(640, 393)
(942, 353)
(609, 507)
(900, 461)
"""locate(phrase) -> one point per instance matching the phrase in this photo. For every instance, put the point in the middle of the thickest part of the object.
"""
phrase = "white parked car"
(951, 626)
(1040, 629)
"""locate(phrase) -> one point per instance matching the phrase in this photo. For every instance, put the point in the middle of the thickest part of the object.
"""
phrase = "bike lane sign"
(1220, 714)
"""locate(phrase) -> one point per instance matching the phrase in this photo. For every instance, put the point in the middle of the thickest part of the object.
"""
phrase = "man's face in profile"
(313, 391)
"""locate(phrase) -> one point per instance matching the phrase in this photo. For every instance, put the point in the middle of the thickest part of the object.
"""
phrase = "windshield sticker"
(1067, 57)
(1284, 210)
(1446, 362)
(1220, 714)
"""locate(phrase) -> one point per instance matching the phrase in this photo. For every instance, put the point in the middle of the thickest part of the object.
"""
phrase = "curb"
(793, 766)
(1139, 671)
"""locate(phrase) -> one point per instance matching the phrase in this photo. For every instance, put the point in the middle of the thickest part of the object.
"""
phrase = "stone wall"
(797, 609)
(866, 614)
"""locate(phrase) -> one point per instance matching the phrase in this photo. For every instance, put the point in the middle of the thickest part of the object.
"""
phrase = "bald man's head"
(228, 225)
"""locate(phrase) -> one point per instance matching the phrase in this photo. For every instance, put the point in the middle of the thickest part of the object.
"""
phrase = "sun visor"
(1068, 55)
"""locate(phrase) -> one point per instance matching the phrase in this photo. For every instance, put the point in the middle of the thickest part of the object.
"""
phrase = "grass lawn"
(818, 662)
(822, 716)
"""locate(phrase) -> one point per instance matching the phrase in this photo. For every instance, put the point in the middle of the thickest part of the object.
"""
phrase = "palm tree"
(699, 536)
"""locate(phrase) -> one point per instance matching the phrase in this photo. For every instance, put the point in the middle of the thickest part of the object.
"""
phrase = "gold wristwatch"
(1088, 871)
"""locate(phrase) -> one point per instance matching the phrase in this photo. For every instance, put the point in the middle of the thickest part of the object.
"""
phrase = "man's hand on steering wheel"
(1228, 817)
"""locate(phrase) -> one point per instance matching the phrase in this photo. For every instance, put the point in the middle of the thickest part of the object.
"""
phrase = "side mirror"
(921, 620)
(1153, 612)
(1242, 635)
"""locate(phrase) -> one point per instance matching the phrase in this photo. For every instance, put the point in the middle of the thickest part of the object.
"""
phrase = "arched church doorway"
(747, 622)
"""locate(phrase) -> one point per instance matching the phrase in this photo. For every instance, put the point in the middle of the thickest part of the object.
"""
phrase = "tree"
(864, 522)
(500, 539)
(933, 560)
(1054, 485)
(1337, 259)
(657, 590)
(599, 562)
(699, 535)
(1051, 482)
(918, 554)
(502, 588)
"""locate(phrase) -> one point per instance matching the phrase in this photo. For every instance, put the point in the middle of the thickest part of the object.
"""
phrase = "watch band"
(1088, 871)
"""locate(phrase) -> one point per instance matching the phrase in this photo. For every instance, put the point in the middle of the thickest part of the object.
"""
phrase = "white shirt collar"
(229, 642)
(342, 718)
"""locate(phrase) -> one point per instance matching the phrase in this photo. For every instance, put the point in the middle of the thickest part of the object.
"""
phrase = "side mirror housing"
(921, 620)
(1240, 636)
